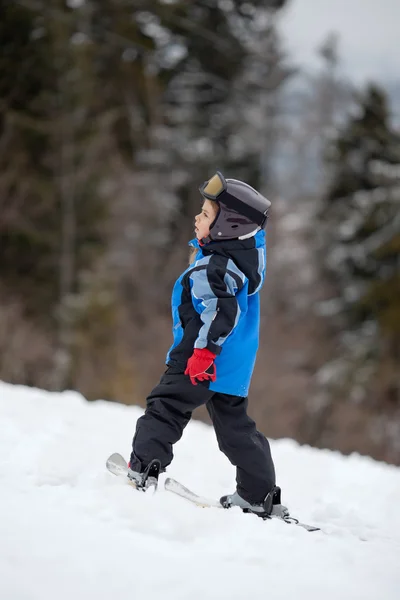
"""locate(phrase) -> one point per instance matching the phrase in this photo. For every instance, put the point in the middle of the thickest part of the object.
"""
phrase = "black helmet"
(242, 211)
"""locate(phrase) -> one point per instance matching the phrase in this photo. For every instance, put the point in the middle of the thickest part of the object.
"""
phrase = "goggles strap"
(244, 209)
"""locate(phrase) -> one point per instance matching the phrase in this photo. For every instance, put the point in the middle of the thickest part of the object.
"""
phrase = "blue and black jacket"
(215, 305)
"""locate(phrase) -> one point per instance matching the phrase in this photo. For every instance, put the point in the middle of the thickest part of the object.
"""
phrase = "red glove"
(198, 365)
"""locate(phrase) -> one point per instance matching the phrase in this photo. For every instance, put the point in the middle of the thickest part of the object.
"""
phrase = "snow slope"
(69, 529)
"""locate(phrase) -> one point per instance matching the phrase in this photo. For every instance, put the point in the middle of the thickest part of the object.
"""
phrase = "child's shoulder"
(221, 268)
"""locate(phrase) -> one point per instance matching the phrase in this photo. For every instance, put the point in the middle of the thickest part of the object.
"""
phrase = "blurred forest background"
(112, 112)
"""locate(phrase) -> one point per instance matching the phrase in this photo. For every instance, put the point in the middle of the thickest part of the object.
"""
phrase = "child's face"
(205, 219)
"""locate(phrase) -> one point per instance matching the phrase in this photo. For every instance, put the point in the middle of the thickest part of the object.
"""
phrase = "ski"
(171, 485)
(174, 486)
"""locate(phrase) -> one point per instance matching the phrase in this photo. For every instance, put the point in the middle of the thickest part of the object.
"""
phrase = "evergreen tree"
(49, 173)
(49, 167)
(360, 225)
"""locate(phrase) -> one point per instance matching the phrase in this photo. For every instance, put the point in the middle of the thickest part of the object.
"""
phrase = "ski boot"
(270, 507)
(148, 478)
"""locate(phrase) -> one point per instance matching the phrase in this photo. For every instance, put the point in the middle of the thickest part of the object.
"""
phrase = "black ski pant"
(169, 409)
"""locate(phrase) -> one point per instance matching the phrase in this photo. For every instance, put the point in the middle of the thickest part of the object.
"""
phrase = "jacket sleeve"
(214, 290)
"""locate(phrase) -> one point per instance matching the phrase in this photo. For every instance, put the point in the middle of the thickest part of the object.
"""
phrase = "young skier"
(215, 309)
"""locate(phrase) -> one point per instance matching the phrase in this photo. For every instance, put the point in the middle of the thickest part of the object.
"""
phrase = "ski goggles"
(214, 187)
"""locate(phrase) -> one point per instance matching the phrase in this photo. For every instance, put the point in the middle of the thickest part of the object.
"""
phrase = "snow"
(68, 528)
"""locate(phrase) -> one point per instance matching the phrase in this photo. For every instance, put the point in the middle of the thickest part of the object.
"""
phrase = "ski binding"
(118, 466)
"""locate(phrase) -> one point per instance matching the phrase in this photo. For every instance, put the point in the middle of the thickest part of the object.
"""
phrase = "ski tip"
(116, 462)
(313, 528)
(114, 458)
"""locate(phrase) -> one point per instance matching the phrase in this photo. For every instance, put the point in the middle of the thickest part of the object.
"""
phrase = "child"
(215, 308)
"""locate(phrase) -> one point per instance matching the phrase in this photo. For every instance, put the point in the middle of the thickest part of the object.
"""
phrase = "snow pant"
(169, 409)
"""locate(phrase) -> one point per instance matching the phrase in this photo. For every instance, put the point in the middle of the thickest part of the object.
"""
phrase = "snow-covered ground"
(69, 529)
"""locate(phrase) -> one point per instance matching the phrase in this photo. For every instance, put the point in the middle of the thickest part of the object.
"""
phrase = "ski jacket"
(215, 305)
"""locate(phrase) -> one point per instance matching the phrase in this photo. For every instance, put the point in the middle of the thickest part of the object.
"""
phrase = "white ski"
(171, 485)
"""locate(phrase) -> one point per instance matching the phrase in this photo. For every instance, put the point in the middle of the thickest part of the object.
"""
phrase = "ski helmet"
(242, 211)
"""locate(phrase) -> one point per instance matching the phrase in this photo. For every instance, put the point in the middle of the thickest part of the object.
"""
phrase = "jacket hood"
(249, 255)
